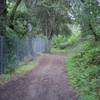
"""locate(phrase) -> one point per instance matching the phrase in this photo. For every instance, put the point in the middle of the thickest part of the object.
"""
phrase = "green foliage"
(10, 70)
(87, 13)
(10, 49)
(10, 5)
(20, 28)
(84, 70)
(73, 38)
(25, 68)
(17, 28)
(97, 28)
(20, 70)
(51, 17)
(57, 41)
(61, 42)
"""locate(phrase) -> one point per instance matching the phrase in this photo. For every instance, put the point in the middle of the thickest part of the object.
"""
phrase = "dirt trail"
(47, 82)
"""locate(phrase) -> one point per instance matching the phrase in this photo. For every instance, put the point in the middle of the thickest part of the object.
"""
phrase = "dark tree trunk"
(50, 35)
(91, 28)
(2, 17)
(2, 7)
(93, 32)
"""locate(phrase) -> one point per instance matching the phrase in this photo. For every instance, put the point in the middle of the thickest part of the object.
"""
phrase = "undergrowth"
(83, 69)
(20, 70)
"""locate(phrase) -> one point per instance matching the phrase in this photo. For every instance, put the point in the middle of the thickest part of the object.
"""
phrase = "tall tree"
(2, 16)
(51, 15)
(86, 13)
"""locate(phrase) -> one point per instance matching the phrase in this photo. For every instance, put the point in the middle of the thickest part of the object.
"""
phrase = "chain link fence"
(21, 51)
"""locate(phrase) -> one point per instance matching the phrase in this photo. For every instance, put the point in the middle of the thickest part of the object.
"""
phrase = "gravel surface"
(47, 82)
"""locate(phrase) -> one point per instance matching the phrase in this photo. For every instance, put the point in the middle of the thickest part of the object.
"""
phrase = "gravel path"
(47, 82)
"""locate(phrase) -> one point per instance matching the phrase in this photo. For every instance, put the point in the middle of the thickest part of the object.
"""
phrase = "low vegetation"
(83, 68)
(82, 64)
(18, 71)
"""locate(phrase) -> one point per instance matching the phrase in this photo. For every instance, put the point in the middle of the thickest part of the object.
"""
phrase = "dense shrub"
(58, 41)
(84, 70)
(9, 50)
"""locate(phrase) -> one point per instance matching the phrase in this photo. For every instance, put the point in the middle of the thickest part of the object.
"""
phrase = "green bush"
(73, 38)
(10, 70)
(58, 41)
(84, 70)
(62, 42)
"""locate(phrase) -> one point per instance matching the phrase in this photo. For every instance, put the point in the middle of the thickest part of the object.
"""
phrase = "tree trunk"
(2, 17)
(50, 35)
(91, 28)
(93, 32)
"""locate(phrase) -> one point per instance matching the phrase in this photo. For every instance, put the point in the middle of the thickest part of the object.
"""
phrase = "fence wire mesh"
(21, 50)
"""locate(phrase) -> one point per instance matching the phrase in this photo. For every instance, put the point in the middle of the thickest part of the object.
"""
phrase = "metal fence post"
(1, 54)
